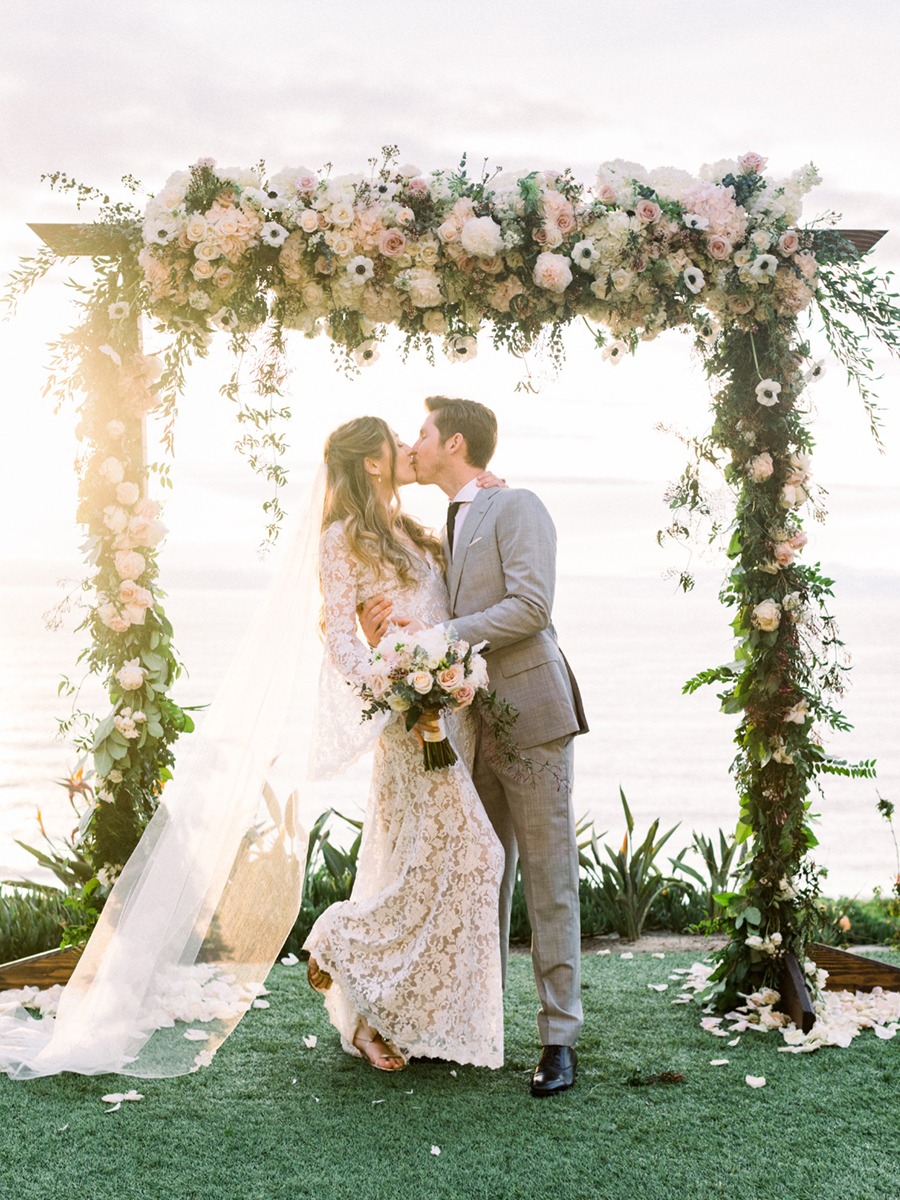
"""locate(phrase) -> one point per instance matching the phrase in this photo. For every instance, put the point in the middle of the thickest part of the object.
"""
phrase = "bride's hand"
(375, 617)
(487, 479)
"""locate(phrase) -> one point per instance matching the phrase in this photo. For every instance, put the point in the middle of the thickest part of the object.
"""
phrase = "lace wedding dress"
(415, 951)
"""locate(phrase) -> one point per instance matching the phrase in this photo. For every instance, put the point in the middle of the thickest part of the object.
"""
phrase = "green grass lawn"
(272, 1119)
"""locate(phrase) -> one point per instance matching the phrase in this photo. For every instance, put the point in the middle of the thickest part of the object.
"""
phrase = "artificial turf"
(271, 1118)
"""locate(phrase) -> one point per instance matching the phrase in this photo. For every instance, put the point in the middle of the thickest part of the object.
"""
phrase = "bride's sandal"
(377, 1051)
(319, 980)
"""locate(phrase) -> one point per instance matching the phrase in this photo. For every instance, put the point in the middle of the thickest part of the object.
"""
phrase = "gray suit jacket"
(501, 582)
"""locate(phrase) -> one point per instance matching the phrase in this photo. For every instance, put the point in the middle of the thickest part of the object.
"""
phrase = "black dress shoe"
(555, 1071)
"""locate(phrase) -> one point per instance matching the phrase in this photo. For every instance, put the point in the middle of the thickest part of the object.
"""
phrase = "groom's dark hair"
(477, 424)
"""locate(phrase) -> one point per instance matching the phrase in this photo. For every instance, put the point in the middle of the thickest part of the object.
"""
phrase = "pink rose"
(418, 186)
(761, 468)
(789, 242)
(783, 554)
(606, 193)
(751, 161)
(128, 493)
(112, 619)
(719, 247)
(647, 211)
(306, 181)
(421, 681)
(798, 539)
(565, 221)
(464, 695)
(142, 532)
(112, 470)
(147, 508)
(133, 594)
(451, 677)
(552, 272)
(391, 242)
(767, 615)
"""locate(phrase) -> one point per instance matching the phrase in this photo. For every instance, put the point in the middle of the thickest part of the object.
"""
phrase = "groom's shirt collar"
(464, 497)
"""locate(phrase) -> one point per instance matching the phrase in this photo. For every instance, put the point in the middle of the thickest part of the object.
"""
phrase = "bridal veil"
(198, 915)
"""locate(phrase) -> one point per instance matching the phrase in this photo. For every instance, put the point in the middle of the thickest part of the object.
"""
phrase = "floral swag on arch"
(440, 255)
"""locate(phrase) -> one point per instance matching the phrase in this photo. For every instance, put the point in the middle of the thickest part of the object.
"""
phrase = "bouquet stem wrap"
(436, 749)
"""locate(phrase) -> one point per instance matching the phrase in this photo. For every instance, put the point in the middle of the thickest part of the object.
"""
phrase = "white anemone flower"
(462, 348)
(767, 392)
(119, 310)
(694, 279)
(366, 353)
(695, 221)
(614, 352)
(764, 266)
(360, 269)
(583, 254)
(273, 234)
(160, 232)
(814, 373)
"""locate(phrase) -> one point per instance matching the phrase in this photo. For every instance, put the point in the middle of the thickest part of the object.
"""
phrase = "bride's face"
(404, 468)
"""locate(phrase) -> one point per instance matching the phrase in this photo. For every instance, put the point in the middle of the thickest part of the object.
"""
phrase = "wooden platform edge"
(795, 998)
(855, 972)
(39, 970)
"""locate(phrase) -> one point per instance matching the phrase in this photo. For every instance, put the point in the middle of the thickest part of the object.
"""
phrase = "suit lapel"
(474, 517)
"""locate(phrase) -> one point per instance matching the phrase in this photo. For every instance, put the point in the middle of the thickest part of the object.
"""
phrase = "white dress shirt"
(464, 498)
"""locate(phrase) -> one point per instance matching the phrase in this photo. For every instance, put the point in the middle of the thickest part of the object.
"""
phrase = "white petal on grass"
(658, 987)
(119, 1097)
(260, 1004)
(658, 955)
(115, 1107)
(435, 1150)
(603, 953)
(718, 1062)
(734, 1041)
(883, 1032)
(755, 1081)
(453, 1074)
(626, 954)
(290, 960)
(196, 1035)
(683, 1000)
(378, 1102)
(310, 1041)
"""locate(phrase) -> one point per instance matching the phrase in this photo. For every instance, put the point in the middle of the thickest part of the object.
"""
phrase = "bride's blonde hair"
(374, 533)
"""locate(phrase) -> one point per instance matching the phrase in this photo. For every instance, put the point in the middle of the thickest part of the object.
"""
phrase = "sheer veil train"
(202, 908)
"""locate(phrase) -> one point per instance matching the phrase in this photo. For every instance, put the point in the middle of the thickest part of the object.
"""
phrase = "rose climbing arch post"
(446, 256)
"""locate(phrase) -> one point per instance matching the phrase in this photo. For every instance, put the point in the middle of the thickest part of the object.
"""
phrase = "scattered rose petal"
(196, 1035)
(755, 1081)
(453, 1074)
(378, 1102)
(118, 1097)
(62, 1129)
(603, 953)
(658, 987)
(682, 1000)
(435, 1150)
(290, 960)
(881, 1031)
(115, 1107)
(626, 954)
(734, 1041)
(310, 1041)
(658, 955)
(260, 1004)
(718, 1062)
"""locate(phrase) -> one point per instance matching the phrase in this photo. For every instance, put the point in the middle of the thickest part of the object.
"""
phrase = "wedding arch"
(442, 256)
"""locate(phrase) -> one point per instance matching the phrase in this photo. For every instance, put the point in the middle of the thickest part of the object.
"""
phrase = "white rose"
(130, 564)
(309, 220)
(195, 228)
(131, 676)
(114, 518)
(397, 703)
(421, 681)
(482, 237)
(112, 470)
(128, 493)
(424, 287)
(767, 615)
(552, 272)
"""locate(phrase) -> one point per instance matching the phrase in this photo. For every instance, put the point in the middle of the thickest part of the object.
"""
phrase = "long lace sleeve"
(340, 735)
(338, 573)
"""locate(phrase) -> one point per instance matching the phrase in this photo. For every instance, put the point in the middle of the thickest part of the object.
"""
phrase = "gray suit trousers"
(534, 819)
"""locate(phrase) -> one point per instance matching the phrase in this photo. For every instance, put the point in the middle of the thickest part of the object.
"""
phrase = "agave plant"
(721, 869)
(631, 881)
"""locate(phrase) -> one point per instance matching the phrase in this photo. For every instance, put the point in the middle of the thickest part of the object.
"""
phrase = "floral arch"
(441, 256)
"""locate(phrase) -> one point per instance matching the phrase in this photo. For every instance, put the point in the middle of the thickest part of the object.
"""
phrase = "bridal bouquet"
(424, 674)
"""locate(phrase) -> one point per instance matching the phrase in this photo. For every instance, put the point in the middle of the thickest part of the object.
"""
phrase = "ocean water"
(632, 637)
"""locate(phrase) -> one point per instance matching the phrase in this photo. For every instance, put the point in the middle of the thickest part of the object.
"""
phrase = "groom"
(500, 547)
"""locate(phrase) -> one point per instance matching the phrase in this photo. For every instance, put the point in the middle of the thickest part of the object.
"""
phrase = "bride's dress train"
(415, 951)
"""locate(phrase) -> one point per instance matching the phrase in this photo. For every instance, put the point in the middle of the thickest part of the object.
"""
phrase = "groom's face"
(429, 452)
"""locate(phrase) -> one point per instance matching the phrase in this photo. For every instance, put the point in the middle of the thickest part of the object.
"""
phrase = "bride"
(204, 904)
(410, 965)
